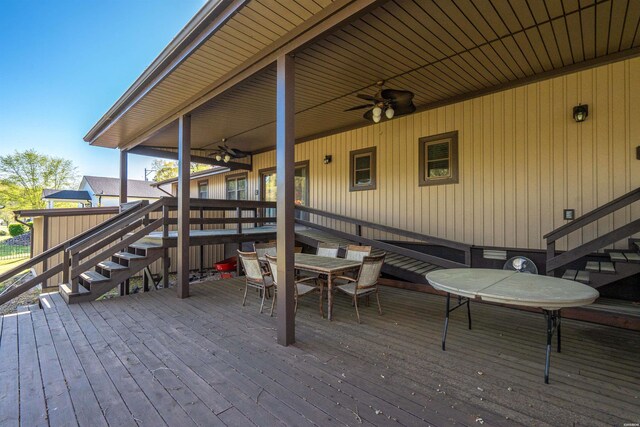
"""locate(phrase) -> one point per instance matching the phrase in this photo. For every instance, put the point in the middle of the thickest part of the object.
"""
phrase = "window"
(268, 190)
(363, 169)
(237, 187)
(438, 156)
(203, 189)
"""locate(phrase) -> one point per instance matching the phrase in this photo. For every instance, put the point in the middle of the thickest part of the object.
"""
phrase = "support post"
(165, 251)
(123, 177)
(184, 168)
(285, 138)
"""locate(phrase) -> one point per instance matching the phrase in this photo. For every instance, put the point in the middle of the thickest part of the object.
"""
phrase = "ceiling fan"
(386, 103)
(226, 153)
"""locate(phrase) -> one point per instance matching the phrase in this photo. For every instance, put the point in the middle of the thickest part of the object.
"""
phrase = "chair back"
(263, 249)
(328, 250)
(272, 261)
(357, 253)
(251, 265)
(370, 271)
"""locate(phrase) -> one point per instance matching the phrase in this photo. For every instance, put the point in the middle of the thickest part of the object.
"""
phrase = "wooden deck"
(151, 359)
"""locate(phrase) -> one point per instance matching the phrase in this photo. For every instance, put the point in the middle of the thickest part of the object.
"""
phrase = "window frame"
(452, 139)
(371, 151)
(200, 184)
(236, 177)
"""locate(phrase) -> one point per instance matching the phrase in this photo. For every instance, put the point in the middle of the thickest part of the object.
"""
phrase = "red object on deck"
(226, 267)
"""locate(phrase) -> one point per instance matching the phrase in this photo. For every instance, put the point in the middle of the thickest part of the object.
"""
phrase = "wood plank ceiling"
(438, 49)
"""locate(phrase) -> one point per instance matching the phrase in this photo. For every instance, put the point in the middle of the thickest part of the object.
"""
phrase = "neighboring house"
(104, 191)
(52, 196)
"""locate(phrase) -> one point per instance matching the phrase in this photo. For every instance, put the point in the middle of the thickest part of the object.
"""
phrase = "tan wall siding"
(522, 160)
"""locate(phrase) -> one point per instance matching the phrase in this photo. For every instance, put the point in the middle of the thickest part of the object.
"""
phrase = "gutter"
(178, 50)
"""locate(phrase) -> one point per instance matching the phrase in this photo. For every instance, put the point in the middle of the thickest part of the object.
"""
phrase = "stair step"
(600, 267)
(110, 266)
(582, 277)
(128, 256)
(145, 245)
(93, 277)
(632, 256)
(617, 257)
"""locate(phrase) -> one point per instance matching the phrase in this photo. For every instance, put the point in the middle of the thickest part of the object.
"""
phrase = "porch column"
(285, 137)
(123, 176)
(184, 168)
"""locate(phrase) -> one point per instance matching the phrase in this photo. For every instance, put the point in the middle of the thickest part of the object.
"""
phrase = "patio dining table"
(551, 294)
(329, 266)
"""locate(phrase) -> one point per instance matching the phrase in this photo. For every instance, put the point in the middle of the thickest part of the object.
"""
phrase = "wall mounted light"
(327, 159)
(580, 113)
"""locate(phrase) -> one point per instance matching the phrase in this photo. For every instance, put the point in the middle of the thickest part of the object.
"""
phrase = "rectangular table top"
(323, 264)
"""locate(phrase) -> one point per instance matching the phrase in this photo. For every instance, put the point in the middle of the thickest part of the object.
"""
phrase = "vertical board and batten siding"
(522, 160)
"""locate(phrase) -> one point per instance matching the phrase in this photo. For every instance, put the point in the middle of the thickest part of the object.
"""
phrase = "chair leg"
(378, 299)
(355, 303)
(264, 294)
(295, 306)
(273, 301)
(244, 299)
(321, 305)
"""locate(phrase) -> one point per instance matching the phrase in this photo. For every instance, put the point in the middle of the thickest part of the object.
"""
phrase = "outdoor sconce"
(327, 159)
(580, 113)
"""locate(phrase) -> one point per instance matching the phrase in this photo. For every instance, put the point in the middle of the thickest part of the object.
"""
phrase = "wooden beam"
(184, 169)
(123, 176)
(285, 140)
(163, 154)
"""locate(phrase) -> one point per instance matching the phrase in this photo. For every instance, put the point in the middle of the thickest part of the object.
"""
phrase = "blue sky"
(63, 63)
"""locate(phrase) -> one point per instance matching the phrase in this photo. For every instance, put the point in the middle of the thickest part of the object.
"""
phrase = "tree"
(24, 174)
(166, 169)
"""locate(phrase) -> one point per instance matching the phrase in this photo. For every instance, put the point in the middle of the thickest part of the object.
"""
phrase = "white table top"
(512, 287)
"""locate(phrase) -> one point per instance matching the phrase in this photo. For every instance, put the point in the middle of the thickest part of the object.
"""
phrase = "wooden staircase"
(108, 274)
(584, 263)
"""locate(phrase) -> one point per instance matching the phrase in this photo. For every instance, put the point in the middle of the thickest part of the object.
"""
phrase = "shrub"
(3, 232)
(16, 229)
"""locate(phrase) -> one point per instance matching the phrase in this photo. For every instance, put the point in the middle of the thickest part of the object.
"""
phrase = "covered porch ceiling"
(442, 51)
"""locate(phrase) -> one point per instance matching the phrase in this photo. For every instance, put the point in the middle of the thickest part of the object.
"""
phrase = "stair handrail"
(556, 261)
(54, 251)
(463, 247)
(123, 221)
(594, 215)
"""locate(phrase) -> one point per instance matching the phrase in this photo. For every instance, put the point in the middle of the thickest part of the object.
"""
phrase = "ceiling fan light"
(376, 119)
(227, 158)
(389, 113)
(218, 157)
(377, 111)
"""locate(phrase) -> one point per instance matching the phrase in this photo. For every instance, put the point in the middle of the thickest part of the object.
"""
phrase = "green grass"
(8, 264)
(14, 251)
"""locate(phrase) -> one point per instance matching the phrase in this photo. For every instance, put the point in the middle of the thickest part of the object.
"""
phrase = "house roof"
(443, 53)
(105, 186)
(52, 194)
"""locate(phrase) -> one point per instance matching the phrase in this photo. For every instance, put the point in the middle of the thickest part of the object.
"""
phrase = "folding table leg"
(446, 322)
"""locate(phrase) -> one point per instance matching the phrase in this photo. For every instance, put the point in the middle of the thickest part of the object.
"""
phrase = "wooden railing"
(556, 261)
(13, 292)
(357, 236)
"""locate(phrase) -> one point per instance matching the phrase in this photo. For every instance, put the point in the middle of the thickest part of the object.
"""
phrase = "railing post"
(551, 252)
(74, 278)
(358, 230)
(66, 270)
(239, 215)
(166, 261)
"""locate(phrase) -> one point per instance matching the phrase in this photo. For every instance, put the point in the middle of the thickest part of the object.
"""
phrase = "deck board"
(33, 410)
(206, 360)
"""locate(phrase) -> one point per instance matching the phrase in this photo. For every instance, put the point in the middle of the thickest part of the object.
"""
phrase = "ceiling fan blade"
(368, 115)
(367, 97)
(396, 95)
(401, 109)
(359, 107)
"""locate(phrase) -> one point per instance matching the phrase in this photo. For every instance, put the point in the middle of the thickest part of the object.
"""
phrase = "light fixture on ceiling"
(389, 112)
(218, 157)
(580, 112)
(226, 158)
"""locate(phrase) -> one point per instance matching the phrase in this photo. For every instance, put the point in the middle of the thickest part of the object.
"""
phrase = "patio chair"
(366, 283)
(301, 288)
(357, 253)
(254, 276)
(262, 249)
(328, 249)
